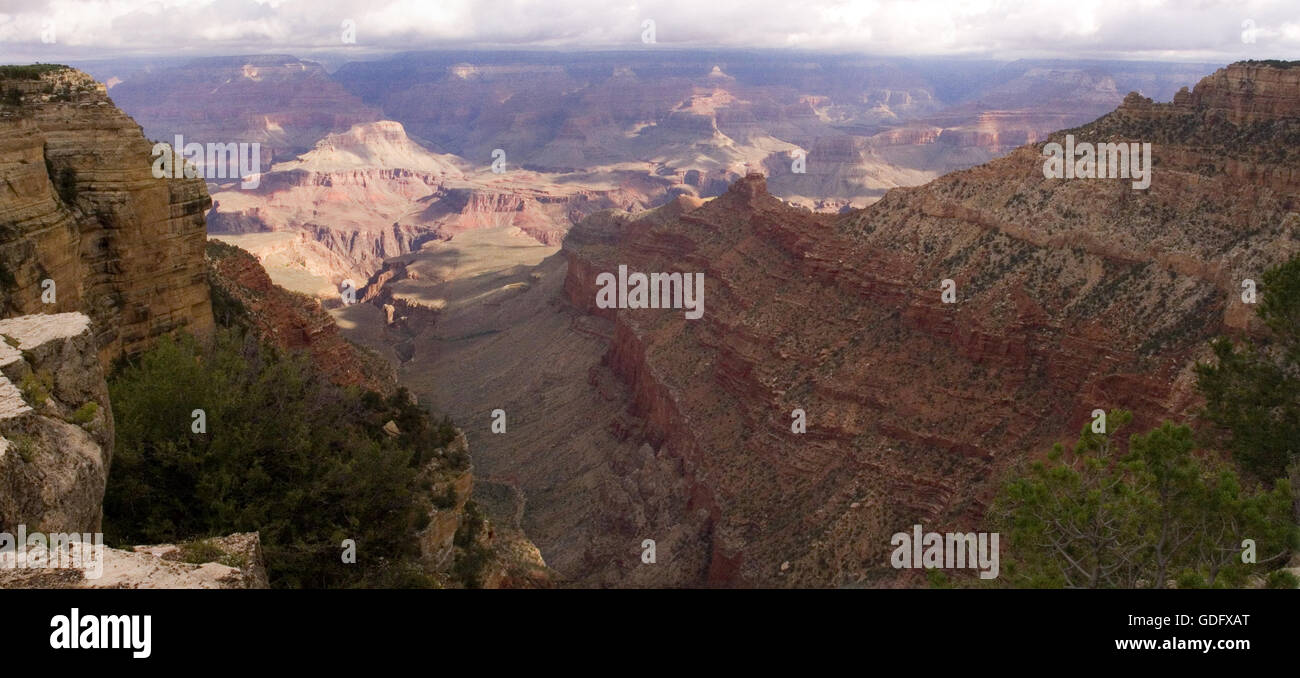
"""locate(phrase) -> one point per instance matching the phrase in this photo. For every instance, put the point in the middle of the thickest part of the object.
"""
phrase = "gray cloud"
(1156, 29)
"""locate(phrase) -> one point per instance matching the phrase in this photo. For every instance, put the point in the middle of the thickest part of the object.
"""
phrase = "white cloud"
(1002, 28)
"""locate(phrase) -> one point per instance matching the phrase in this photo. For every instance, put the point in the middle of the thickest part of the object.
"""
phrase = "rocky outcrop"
(56, 424)
(56, 444)
(437, 541)
(89, 231)
(1248, 92)
(233, 562)
(87, 227)
(1070, 296)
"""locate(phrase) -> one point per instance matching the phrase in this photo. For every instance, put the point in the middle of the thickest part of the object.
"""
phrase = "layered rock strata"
(85, 226)
(1070, 295)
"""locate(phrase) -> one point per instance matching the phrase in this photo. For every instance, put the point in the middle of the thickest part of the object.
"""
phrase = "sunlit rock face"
(89, 227)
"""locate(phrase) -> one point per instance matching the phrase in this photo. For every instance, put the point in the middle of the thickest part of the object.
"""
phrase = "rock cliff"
(292, 321)
(85, 226)
(57, 425)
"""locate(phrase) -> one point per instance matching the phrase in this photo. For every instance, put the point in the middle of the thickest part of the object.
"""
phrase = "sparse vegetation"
(474, 557)
(1274, 63)
(24, 446)
(1252, 388)
(29, 71)
(36, 387)
(1281, 579)
(85, 414)
(446, 499)
(206, 551)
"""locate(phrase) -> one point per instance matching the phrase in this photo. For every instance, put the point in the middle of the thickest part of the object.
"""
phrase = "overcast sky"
(1192, 30)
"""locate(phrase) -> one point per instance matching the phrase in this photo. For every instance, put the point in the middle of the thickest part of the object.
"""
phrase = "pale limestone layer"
(144, 567)
(31, 331)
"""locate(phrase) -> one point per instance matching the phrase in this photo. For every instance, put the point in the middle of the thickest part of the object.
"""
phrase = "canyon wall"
(80, 208)
(1070, 295)
(97, 259)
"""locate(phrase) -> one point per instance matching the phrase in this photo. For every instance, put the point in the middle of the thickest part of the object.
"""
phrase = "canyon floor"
(504, 338)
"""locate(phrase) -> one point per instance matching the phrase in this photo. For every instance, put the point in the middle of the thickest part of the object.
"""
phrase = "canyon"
(379, 157)
(99, 261)
(371, 193)
(1071, 295)
(478, 289)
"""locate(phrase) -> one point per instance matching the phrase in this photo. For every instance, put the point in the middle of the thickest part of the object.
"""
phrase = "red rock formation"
(294, 321)
(371, 194)
(1071, 296)
(1248, 92)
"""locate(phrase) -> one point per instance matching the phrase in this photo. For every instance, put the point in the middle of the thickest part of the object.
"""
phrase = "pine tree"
(1160, 512)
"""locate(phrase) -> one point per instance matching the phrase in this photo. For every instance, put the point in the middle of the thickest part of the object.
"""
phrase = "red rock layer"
(1070, 296)
(295, 321)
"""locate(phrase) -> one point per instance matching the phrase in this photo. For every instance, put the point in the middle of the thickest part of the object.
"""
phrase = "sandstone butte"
(370, 193)
(1072, 296)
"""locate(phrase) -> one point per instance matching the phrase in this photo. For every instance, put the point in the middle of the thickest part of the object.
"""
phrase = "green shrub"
(206, 551)
(1281, 579)
(1252, 388)
(24, 446)
(1086, 519)
(447, 499)
(36, 387)
(29, 71)
(286, 453)
(473, 557)
(85, 414)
